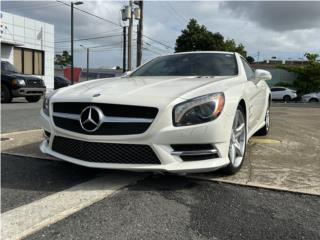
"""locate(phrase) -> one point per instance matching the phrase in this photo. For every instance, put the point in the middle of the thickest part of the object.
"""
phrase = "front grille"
(34, 83)
(105, 152)
(114, 110)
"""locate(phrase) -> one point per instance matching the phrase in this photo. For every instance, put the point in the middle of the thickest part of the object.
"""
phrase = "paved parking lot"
(46, 199)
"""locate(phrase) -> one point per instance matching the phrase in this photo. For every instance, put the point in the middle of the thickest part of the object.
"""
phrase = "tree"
(63, 60)
(308, 79)
(198, 38)
(250, 59)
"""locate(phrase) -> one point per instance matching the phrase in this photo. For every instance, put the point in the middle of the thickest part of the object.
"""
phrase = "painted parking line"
(25, 220)
(263, 141)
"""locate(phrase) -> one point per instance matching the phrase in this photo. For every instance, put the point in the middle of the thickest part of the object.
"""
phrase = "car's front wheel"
(33, 98)
(6, 96)
(238, 142)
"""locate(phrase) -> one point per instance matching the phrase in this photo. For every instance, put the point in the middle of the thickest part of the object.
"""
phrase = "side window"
(249, 72)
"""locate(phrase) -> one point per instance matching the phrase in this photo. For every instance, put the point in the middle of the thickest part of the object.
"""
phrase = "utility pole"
(130, 35)
(140, 34)
(71, 43)
(72, 3)
(124, 48)
(87, 64)
(87, 50)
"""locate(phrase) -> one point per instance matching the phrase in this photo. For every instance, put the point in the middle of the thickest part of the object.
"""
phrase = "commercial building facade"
(29, 45)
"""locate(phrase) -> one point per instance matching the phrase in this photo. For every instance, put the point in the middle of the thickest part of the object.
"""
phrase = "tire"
(287, 98)
(313, 100)
(265, 129)
(33, 99)
(241, 140)
(6, 96)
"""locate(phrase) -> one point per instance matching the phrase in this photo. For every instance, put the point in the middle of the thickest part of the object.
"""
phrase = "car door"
(274, 93)
(256, 92)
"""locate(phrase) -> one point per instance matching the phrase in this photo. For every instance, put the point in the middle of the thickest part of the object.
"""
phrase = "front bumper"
(25, 91)
(160, 136)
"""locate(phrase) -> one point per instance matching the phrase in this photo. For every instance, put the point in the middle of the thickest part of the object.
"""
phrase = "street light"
(87, 60)
(72, 3)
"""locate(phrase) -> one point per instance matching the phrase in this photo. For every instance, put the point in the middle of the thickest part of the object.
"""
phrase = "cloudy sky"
(281, 29)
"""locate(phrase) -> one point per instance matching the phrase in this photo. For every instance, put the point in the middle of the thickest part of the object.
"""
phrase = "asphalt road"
(20, 115)
(161, 206)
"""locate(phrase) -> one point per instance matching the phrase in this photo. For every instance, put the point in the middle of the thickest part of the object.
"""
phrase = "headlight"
(198, 110)
(46, 102)
(18, 82)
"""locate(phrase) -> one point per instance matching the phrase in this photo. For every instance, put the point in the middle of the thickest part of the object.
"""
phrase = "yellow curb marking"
(263, 141)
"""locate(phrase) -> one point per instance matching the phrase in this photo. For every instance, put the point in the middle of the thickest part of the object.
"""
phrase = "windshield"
(8, 67)
(190, 64)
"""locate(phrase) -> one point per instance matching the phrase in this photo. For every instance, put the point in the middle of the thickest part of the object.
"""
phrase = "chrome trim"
(105, 119)
(109, 119)
(194, 153)
(66, 115)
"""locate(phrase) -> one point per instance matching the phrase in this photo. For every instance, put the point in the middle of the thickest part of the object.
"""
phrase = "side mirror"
(262, 75)
(127, 73)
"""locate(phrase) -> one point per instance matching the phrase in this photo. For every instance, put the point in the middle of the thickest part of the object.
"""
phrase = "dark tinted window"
(8, 67)
(249, 72)
(277, 89)
(190, 64)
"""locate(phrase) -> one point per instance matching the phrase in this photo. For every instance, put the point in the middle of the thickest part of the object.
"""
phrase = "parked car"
(60, 82)
(311, 97)
(185, 112)
(16, 84)
(282, 93)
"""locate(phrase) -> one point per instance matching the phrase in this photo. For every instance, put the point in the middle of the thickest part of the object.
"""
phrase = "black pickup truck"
(15, 84)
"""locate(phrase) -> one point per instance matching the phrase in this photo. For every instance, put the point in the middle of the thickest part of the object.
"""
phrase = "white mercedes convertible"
(185, 112)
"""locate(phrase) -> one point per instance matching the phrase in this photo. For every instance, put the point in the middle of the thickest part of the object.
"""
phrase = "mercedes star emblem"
(91, 118)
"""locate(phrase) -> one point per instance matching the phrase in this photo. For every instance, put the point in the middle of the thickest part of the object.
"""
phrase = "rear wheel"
(238, 142)
(6, 96)
(33, 98)
(313, 100)
(287, 98)
(265, 130)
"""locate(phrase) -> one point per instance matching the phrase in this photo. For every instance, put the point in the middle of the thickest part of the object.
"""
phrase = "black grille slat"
(105, 152)
(34, 83)
(108, 110)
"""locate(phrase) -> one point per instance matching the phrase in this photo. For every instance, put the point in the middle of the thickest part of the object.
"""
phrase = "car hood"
(148, 91)
(22, 76)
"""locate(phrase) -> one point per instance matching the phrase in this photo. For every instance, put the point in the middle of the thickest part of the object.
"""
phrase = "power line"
(112, 30)
(114, 23)
(91, 14)
(90, 38)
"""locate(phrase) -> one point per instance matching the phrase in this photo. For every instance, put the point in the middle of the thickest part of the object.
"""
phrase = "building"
(29, 45)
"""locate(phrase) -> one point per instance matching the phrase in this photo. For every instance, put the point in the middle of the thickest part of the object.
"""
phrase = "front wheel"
(6, 96)
(33, 99)
(238, 142)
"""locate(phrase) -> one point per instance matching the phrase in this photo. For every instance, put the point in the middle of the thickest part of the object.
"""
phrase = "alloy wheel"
(237, 140)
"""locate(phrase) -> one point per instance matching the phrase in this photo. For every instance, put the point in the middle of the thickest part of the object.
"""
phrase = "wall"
(7, 52)
(28, 33)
